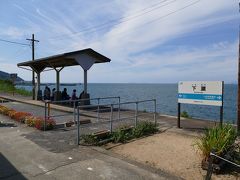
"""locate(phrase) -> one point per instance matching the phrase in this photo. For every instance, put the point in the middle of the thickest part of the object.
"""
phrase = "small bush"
(89, 139)
(122, 135)
(144, 128)
(39, 123)
(184, 114)
(220, 139)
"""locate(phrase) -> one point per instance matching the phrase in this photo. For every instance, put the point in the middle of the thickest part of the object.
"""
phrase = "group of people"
(47, 95)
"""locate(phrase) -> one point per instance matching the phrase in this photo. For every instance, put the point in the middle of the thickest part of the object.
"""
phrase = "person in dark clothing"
(65, 96)
(46, 93)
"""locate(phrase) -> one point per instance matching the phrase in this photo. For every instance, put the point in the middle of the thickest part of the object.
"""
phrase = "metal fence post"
(98, 109)
(48, 103)
(155, 112)
(45, 118)
(210, 168)
(78, 125)
(119, 108)
(136, 114)
(111, 118)
(74, 112)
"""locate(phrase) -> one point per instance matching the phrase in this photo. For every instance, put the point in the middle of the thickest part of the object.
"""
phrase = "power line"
(162, 17)
(174, 12)
(119, 20)
(14, 42)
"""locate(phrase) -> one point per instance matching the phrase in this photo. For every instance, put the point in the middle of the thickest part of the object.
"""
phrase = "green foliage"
(23, 92)
(144, 128)
(122, 134)
(220, 139)
(184, 114)
(8, 87)
(89, 139)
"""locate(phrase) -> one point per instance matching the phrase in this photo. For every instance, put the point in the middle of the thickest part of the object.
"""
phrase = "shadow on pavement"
(8, 171)
(7, 125)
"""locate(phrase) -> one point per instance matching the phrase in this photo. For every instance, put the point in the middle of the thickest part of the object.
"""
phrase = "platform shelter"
(85, 58)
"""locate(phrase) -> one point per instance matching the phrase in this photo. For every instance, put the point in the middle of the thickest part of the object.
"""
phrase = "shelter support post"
(57, 80)
(58, 92)
(38, 81)
(85, 81)
(39, 92)
(85, 95)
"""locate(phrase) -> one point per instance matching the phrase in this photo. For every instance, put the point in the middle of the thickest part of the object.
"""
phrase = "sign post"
(200, 93)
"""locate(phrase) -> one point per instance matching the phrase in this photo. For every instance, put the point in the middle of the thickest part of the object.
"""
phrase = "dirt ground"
(171, 151)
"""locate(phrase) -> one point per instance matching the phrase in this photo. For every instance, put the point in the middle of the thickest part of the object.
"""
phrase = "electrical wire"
(161, 17)
(117, 21)
(14, 42)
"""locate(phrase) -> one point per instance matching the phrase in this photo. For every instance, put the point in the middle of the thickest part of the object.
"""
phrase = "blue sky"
(155, 41)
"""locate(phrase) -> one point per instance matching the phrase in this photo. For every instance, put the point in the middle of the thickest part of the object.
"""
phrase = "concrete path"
(22, 158)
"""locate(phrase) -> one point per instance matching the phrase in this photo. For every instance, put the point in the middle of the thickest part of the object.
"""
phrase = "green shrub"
(184, 114)
(220, 139)
(89, 139)
(122, 135)
(144, 128)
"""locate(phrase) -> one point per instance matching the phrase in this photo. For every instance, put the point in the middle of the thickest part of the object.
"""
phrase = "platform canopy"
(85, 58)
(66, 59)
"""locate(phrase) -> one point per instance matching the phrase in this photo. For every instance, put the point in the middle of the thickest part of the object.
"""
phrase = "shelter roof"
(65, 59)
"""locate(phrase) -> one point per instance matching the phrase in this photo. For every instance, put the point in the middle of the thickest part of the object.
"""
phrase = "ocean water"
(165, 94)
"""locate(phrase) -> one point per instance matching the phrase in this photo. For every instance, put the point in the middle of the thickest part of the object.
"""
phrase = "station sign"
(201, 92)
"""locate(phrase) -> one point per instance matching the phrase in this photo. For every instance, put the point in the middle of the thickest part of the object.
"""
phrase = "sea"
(165, 95)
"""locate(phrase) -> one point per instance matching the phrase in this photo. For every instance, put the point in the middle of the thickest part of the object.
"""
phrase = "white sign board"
(201, 92)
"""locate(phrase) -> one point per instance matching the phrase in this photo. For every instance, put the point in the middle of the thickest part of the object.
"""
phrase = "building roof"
(63, 60)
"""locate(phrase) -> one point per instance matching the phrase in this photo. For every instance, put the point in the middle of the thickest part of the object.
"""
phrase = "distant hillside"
(4, 75)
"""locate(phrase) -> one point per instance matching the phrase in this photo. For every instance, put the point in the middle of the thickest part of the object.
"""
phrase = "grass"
(7, 86)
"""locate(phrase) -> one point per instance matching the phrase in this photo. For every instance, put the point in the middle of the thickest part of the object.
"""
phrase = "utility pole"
(238, 106)
(33, 57)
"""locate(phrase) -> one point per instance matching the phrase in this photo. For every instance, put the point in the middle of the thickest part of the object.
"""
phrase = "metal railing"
(210, 164)
(74, 103)
(111, 119)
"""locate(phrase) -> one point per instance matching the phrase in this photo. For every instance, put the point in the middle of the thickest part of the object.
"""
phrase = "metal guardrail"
(47, 106)
(210, 165)
(111, 120)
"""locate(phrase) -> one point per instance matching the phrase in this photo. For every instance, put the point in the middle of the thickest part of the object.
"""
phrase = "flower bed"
(27, 118)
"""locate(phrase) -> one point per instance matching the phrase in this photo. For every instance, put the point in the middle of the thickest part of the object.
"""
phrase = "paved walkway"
(22, 158)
